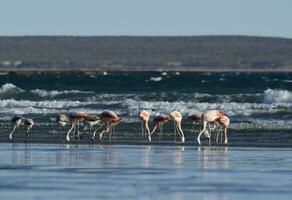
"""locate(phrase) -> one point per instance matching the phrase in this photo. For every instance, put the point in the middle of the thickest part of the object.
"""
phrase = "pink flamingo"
(74, 119)
(158, 122)
(208, 117)
(144, 116)
(223, 122)
(111, 119)
(176, 117)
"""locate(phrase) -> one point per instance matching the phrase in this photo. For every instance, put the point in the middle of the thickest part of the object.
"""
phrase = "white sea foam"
(277, 96)
(262, 124)
(230, 108)
(11, 106)
(155, 79)
(287, 81)
(9, 87)
(53, 93)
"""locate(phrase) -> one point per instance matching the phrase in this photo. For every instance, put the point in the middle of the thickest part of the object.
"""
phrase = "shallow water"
(56, 171)
(258, 104)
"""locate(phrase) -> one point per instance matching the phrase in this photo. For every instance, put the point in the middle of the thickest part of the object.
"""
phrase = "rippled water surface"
(259, 104)
(56, 171)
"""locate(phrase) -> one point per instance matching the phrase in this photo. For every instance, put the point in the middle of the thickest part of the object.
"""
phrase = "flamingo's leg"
(142, 130)
(74, 132)
(113, 129)
(181, 132)
(148, 130)
(175, 129)
(68, 134)
(203, 130)
(27, 134)
(225, 133)
(111, 132)
(101, 134)
(78, 133)
(94, 132)
(210, 138)
(217, 135)
(155, 127)
(11, 133)
(106, 130)
(60, 132)
(221, 136)
(161, 131)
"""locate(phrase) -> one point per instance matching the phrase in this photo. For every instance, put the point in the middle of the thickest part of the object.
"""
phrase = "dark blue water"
(57, 171)
(259, 104)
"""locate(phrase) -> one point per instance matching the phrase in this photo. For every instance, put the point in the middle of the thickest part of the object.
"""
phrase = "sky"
(146, 17)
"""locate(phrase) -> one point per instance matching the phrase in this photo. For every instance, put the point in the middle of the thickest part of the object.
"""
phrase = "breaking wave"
(53, 93)
(277, 96)
(9, 89)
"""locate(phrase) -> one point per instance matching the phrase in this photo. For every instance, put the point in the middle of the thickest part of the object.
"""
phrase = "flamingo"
(90, 121)
(28, 122)
(223, 122)
(15, 122)
(74, 119)
(62, 120)
(158, 122)
(208, 117)
(144, 116)
(111, 119)
(195, 118)
(176, 117)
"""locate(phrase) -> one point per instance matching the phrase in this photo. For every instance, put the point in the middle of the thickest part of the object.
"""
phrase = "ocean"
(258, 104)
(256, 164)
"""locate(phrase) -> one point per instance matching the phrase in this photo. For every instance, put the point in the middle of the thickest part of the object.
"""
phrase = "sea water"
(60, 171)
(249, 167)
(258, 104)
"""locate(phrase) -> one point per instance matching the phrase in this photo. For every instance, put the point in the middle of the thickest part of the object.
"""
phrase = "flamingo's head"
(221, 114)
(144, 115)
(118, 120)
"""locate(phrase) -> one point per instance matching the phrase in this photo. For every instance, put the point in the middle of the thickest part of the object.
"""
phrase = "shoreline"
(146, 143)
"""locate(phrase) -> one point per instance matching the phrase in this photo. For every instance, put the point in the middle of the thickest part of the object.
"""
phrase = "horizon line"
(130, 35)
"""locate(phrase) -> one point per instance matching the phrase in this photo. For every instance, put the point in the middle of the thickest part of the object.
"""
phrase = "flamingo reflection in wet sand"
(159, 121)
(110, 119)
(208, 117)
(176, 117)
(144, 117)
(15, 122)
(74, 118)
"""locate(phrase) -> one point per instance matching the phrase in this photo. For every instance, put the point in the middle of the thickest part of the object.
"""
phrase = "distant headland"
(133, 53)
